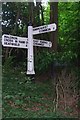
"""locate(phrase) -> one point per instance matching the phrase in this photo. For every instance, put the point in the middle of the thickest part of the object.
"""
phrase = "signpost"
(14, 41)
(42, 43)
(22, 42)
(44, 29)
(30, 65)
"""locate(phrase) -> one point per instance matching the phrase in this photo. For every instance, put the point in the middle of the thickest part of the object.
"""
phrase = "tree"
(54, 19)
(54, 40)
(8, 17)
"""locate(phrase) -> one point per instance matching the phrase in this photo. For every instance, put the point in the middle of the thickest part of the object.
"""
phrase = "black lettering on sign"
(43, 42)
(8, 40)
(35, 41)
(16, 41)
(22, 42)
(44, 27)
(5, 43)
(35, 29)
(27, 42)
(44, 30)
(11, 37)
(15, 44)
(6, 36)
(18, 44)
(49, 29)
(5, 39)
(39, 44)
(40, 28)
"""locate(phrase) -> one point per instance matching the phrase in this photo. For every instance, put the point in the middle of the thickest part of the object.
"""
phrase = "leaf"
(8, 97)
(18, 102)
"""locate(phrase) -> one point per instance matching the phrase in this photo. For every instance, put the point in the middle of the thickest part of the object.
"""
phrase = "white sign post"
(30, 65)
(21, 42)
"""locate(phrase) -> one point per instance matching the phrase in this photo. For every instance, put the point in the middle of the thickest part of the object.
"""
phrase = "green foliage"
(8, 64)
(18, 102)
(8, 97)
(78, 103)
(45, 58)
(47, 14)
(24, 100)
(68, 26)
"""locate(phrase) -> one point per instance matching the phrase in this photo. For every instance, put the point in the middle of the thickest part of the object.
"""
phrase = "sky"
(44, 2)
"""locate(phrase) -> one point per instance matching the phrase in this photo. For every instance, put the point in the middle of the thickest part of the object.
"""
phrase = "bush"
(8, 64)
(45, 58)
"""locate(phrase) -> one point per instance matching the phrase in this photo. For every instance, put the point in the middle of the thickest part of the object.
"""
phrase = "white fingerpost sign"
(42, 43)
(14, 41)
(30, 59)
(44, 29)
(22, 42)
(28, 43)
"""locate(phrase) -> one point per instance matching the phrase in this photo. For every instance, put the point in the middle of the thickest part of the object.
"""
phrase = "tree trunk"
(54, 35)
(54, 38)
(54, 19)
(31, 15)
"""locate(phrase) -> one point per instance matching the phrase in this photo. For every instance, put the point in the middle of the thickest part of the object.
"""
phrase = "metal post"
(30, 65)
